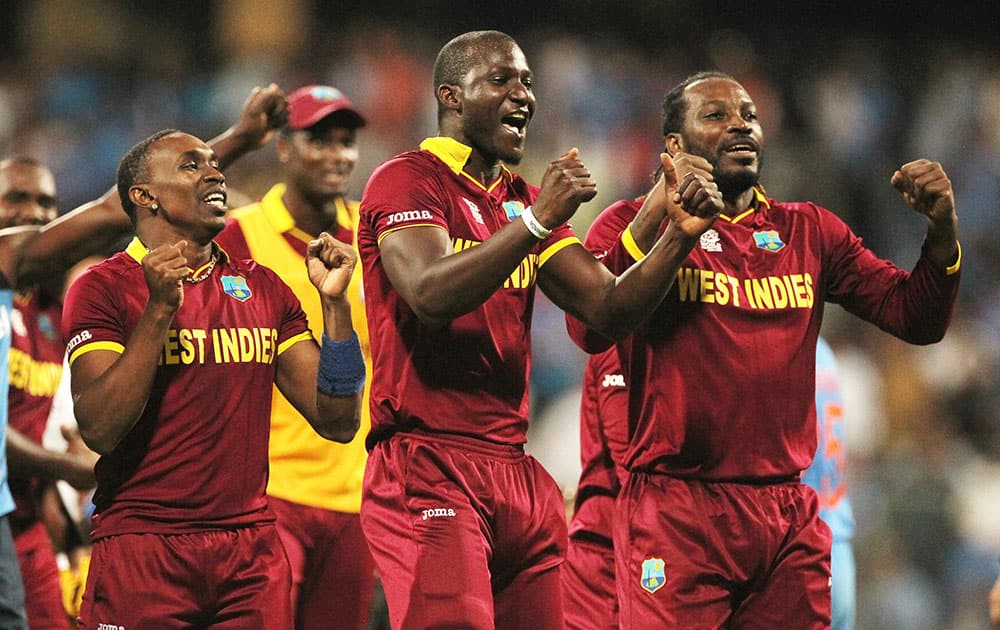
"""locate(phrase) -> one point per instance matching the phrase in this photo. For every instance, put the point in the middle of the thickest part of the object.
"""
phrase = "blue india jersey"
(826, 474)
(6, 304)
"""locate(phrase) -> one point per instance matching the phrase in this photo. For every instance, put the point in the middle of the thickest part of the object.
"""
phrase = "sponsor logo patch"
(613, 380)
(768, 240)
(474, 209)
(436, 513)
(709, 241)
(76, 340)
(236, 288)
(653, 578)
(408, 215)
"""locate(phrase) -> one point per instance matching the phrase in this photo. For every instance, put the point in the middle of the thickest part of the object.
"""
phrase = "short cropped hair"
(461, 53)
(675, 105)
(133, 168)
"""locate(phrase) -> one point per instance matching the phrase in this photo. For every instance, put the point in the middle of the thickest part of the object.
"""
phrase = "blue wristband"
(341, 367)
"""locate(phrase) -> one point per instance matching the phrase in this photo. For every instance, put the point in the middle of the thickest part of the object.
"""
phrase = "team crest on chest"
(653, 576)
(768, 240)
(513, 209)
(236, 287)
(47, 328)
(474, 209)
(709, 241)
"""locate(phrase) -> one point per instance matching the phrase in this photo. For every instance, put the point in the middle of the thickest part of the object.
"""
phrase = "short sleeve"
(93, 318)
(294, 326)
(400, 194)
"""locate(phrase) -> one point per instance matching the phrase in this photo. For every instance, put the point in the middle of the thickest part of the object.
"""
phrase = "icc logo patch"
(236, 288)
(768, 240)
(513, 209)
(653, 577)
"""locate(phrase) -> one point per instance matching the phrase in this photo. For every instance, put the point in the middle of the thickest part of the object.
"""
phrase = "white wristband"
(537, 230)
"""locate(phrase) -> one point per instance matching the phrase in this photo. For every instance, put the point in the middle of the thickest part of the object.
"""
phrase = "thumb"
(669, 174)
(570, 155)
(899, 182)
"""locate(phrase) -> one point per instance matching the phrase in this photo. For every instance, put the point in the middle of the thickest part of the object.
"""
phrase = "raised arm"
(264, 112)
(325, 383)
(55, 247)
(614, 306)
(97, 225)
(440, 284)
(926, 187)
(100, 376)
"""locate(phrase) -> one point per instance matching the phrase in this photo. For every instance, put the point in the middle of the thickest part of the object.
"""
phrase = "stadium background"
(847, 92)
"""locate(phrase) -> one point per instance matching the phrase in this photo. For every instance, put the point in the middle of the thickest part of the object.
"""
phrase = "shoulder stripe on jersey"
(113, 346)
(410, 225)
(628, 240)
(555, 248)
(291, 341)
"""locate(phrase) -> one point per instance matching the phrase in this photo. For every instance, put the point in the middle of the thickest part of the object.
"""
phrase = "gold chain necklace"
(204, 274)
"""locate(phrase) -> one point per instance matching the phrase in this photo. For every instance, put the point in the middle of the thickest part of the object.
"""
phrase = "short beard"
(513, 160)
(732, 185)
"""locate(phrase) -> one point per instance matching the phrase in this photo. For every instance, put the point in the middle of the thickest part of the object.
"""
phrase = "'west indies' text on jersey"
(196, 459)
(470, 376)
(722, 374)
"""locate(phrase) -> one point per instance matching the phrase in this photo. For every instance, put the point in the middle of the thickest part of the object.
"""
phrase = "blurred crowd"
(81, 81)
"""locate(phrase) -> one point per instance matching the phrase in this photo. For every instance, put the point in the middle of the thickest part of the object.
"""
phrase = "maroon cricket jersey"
(197, 457)
(722, 374)
(603, 442)
(35, 366)
(470, 376)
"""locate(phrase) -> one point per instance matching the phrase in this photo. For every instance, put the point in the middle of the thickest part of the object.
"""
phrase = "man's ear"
(141, 197)
(450, 96)
(673, 143)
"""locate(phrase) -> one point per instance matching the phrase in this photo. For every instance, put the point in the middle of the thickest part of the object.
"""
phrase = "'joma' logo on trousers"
(436, 512)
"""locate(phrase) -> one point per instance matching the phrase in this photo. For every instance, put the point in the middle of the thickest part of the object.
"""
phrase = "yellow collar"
(455, 155)
(759, 201)
(275, 211)
(277, 215)
(138, 250)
